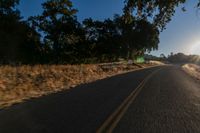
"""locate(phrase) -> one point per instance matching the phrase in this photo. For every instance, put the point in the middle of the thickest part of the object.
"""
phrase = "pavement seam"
(111, 122)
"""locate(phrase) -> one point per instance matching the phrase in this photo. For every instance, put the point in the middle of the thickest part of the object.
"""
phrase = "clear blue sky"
(182, 33)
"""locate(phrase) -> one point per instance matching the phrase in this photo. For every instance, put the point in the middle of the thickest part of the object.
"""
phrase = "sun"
(195, 49)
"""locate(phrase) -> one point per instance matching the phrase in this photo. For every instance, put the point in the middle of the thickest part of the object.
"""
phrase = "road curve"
(168, 102)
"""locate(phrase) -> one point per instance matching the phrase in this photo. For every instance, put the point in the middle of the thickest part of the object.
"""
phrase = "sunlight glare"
(195, 49)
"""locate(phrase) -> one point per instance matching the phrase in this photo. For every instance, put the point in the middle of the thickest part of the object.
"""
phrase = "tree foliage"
(103, 38)
(17, 39)
(60, 27)
(182, 58)
(138, 36)
(159, 12)
(56, 36)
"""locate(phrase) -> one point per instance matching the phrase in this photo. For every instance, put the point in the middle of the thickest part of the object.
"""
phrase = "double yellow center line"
(109, 125)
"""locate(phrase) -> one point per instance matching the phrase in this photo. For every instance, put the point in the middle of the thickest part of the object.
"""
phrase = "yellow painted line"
(109, 125)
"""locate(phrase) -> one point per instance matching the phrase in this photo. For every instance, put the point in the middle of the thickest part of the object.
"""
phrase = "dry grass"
(24, 82)
(156, 62)
(193, 70)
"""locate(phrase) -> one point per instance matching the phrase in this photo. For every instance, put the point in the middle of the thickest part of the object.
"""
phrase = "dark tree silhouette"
(56, 36)
(103, 38)
(60, 27)
(158, 12)
(17, 40)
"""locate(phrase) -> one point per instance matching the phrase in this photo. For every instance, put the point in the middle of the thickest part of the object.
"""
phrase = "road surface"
(156, 100)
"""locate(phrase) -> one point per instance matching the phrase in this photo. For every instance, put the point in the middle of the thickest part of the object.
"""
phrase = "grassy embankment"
(25, 82)
(193, 70)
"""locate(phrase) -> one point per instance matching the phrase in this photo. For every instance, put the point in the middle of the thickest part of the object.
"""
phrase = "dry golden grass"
(24, 82)
(193, 70)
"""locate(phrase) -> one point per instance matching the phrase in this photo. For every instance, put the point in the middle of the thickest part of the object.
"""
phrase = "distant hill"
(182, 58)
(151, 57)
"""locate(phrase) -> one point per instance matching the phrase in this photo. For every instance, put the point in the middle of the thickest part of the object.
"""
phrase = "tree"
(178, 58)
(138, 36)
(103, 38)
(9, 17)
(146, 37)
(8, 7)
(158, 12)
(162, 55)
(60, 27)
(16, 37)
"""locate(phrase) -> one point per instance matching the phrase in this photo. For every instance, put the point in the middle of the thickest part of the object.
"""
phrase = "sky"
(182, 34)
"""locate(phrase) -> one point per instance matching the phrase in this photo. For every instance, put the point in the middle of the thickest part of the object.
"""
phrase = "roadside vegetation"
(177, 58)
(25, 81)
(57, 37)
(189, 63)
(193, 70)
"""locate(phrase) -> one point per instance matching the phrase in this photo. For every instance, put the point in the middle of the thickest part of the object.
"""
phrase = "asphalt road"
(168, 102)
